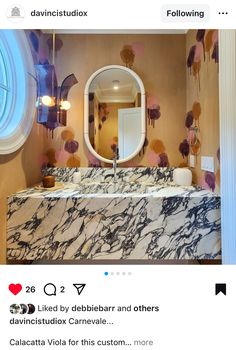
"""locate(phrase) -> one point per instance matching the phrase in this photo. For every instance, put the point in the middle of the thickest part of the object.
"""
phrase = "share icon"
(79, 287)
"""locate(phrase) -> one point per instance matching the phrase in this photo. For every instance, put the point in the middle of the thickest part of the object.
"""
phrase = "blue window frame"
(4, 88)
(17, 90)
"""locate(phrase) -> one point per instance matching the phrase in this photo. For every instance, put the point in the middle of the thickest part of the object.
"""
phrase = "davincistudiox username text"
(59, 13)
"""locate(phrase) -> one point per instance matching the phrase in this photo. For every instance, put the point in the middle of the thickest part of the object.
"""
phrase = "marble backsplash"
(144, 174)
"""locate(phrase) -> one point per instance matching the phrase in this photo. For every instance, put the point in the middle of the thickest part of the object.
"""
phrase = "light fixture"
(52, 103)
(115, 84)
(65, 105)
(48, 101)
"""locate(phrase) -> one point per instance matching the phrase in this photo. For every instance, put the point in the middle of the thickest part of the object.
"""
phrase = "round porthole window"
(17, 90)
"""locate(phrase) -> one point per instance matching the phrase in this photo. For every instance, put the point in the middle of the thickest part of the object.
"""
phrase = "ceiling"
(103, 86)
(116, 31)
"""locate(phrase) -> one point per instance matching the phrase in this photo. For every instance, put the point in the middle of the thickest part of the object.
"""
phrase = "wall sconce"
(52, 103)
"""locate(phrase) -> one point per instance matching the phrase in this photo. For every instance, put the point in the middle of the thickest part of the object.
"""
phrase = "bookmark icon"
(220, 288)
(79, 287)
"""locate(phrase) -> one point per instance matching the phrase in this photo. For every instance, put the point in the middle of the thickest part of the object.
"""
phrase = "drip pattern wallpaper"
(179, 72)
(202, 121)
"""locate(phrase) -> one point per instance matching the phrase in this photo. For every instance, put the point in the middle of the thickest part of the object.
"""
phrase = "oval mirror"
(114, 114)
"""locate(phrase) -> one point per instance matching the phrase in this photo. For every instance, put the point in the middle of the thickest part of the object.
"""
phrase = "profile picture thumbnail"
(22, 309)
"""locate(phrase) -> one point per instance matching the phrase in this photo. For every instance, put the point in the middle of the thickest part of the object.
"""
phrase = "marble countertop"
(143, 216)
(90, 189)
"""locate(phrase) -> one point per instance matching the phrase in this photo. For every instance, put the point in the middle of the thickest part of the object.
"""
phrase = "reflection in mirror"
(115, 121)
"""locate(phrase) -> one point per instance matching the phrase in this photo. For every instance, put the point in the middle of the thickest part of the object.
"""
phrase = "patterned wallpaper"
(202, 120)
(172, 133)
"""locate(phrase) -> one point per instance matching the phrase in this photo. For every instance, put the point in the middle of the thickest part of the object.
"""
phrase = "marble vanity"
(143, 216)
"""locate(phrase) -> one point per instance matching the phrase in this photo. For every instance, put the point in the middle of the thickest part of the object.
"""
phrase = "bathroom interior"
(120, 162)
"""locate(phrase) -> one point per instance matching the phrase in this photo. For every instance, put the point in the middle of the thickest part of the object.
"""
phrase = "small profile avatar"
(15, 12)
(15, 309)
(23, 309)
(31, 309)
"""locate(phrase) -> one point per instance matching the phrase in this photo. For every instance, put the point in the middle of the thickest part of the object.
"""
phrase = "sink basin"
(126, 188)
(120, 187)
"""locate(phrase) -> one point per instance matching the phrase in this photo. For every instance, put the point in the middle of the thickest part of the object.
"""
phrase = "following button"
(185, 13)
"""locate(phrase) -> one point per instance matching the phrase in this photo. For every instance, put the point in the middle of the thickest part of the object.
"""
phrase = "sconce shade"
(66, 85)
(46, 86)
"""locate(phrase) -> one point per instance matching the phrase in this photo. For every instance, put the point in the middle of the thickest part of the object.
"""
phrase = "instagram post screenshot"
(117, 175)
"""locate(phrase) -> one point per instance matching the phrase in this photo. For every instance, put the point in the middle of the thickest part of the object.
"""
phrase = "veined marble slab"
(136, 220)
(120, 189)
(143, 174)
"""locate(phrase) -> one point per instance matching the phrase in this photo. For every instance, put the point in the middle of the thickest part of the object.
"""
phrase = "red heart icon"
(15, 288)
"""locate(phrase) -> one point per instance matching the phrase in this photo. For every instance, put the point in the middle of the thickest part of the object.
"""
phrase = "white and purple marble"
(143, 216)
(142, 174)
